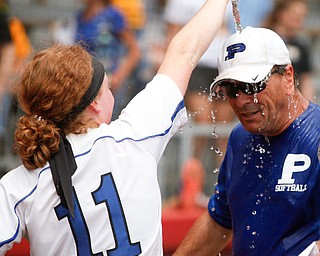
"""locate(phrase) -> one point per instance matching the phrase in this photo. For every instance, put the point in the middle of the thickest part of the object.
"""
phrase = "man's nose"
(243, 99)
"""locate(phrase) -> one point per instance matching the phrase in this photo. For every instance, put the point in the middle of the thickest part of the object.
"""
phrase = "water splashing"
(255, 98)
(215, 171)
(236, 15)
(219, 152)
(289, 107)
(292, 102)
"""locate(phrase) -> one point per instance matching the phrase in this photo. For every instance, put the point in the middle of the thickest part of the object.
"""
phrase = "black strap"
(63, 166)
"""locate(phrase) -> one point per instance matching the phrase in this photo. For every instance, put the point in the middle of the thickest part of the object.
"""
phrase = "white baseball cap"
(248, 56)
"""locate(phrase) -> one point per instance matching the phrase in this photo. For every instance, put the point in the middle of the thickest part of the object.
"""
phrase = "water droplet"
(254, 212)
(254, 233)
(213, 209)
(248, 227)
(213, 116)
(215, 136)
(258, 201)
(218, 151)
(216, 170)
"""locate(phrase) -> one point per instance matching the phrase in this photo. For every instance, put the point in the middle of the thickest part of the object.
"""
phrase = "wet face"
(265, 112)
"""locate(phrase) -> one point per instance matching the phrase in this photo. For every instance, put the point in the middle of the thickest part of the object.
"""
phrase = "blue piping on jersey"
(15, 211)
(177, 110)
(179, 107)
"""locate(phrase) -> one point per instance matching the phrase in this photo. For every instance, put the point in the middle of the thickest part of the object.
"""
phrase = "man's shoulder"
(313, 112)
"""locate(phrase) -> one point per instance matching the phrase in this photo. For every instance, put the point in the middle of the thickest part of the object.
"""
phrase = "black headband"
(62, 163)
(89, 96)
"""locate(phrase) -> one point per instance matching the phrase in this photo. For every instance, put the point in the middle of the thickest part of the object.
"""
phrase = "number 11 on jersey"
(107, 194)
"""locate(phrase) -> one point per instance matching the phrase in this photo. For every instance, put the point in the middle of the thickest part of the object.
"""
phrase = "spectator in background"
(22, 44)
(190, 194)
(104, 31)
(287, 19)
(6, 53)
(135, 16)
(253, 13)
(134, 13)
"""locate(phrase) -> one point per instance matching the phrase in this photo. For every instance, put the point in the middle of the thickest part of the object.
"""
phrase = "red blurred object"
(21, 249)
(175, 225)
(183, 210)
(192, 176)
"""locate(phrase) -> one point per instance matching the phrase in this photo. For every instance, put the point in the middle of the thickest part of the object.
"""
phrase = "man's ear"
(290, 81)
(94, 106)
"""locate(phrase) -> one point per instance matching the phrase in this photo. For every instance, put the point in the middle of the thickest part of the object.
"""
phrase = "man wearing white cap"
(267, 198)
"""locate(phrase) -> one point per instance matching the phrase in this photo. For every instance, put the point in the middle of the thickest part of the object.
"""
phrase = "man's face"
(266, 112)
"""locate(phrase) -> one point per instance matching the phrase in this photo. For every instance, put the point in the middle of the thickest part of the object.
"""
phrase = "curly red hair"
(49, 87)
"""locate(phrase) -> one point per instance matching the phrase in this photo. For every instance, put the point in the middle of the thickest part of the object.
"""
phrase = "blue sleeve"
(218, 205)
(119, 23)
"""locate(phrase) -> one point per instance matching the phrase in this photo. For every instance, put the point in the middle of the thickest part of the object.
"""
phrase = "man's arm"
(190, 43)
(206, 237)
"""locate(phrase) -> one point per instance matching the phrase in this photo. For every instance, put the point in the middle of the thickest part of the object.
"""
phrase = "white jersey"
(116, 192)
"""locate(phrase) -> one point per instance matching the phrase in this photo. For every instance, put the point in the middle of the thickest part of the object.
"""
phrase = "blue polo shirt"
(268, 188)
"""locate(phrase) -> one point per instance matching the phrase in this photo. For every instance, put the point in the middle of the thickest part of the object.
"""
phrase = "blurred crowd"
(130, 38)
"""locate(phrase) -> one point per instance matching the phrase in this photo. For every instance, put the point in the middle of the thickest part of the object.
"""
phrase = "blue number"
(78, 226)
(106, 193)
